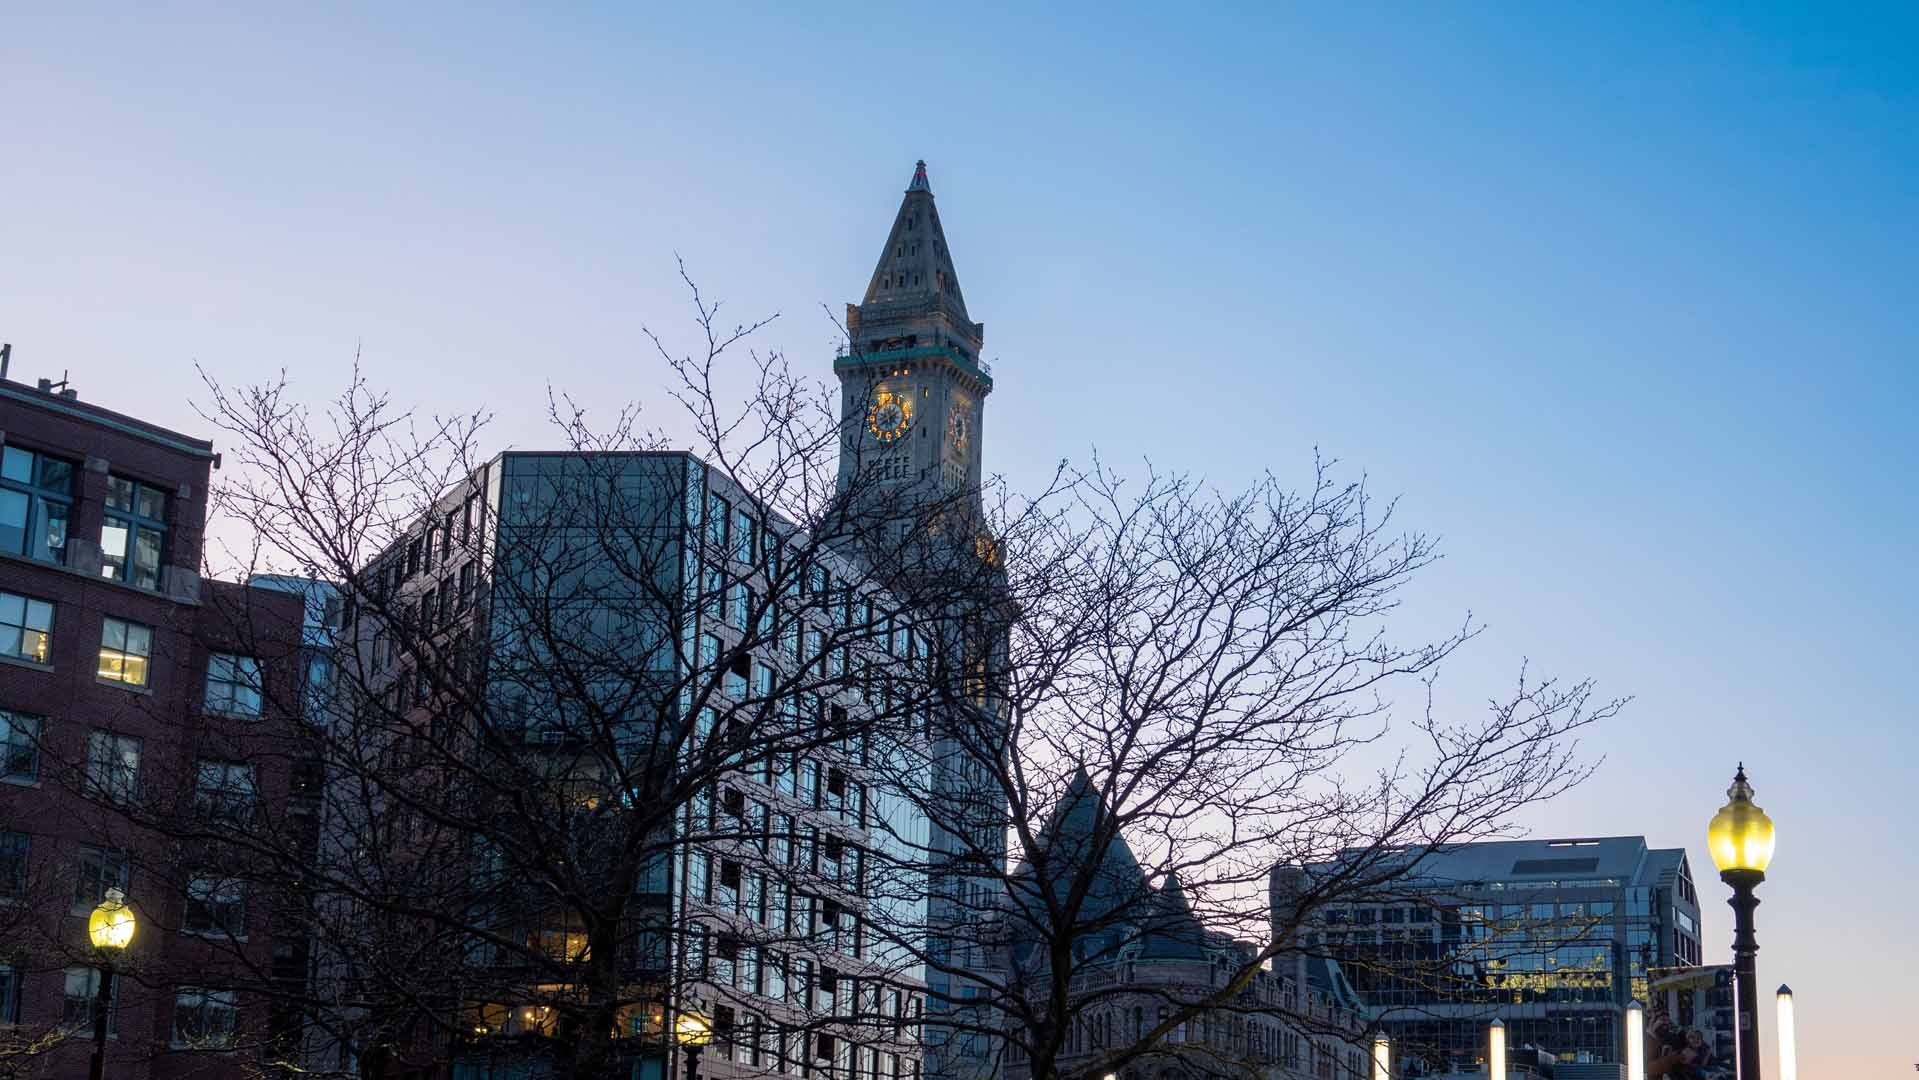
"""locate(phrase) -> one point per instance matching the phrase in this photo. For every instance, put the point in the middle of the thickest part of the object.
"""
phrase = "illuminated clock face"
(960, 428)
(890, 415)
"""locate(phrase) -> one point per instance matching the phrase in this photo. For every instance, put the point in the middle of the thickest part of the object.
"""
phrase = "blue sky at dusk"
(1620, 300)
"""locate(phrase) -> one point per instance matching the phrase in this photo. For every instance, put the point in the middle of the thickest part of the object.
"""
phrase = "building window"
(134, 532)
(14, 849)
(36, 500)
(224, 790)
(95, 870)
(26, 628)
(717, 513)
(216, 906)
(9, 994)
(204, 1019)
(743, 536)
(233, 685)
(76, 1006)
(19, 745)
(113, 766)
(125, 648)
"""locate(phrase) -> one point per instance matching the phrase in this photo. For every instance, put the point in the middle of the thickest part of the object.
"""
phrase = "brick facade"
(75, 711)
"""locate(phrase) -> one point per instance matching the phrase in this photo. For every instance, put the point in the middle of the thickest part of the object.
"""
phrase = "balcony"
(977, 368)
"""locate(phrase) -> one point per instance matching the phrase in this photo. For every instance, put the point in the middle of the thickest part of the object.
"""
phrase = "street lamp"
(110, 928)
(1741, 839)
(1635, 1041)
(693, 1032)
(1788, 1039)
(1382, 1057)
(1496, 1050)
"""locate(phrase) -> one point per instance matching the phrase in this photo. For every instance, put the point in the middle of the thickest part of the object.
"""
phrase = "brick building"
(147, 723)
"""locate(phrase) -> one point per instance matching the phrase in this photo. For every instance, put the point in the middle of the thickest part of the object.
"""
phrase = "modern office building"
(801, 888)
(1552, 937)
(148, 720)
(792, 876)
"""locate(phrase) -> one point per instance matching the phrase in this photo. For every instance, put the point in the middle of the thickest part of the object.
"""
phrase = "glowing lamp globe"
(111, 924)
(1740, 835)
(692, 1029)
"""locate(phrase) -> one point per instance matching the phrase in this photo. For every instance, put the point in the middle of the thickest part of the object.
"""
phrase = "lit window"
(26, 628)
(204, 1019)
(19, 745)
(233, 685)
(133, 532)
(36, 500)
(125, 648)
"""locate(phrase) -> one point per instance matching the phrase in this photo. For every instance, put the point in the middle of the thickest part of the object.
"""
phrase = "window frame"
(11, 721)
(125, 653)
(234, 685)
(90, 975)
(136, 521)
(38, 499)
(25, 626)
(221, 901)
(123, 789)
(207, 999)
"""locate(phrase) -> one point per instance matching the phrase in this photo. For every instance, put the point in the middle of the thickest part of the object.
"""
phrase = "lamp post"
(1741, 839)
(1635, 1041)
(693, 1032)
(110, 928)
(1496, 1049)
(1788, 1039)
(1382, 1057)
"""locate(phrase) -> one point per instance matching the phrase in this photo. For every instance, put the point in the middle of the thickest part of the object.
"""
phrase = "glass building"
(784, 903)
(1552, 937)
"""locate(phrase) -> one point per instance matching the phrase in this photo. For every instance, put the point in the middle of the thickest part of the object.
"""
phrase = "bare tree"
(1198, 690)
(605, 731)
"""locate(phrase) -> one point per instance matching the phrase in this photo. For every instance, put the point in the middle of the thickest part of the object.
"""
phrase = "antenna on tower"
(6, 358)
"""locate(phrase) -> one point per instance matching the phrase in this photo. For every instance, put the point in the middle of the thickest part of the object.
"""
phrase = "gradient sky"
(1621, 300)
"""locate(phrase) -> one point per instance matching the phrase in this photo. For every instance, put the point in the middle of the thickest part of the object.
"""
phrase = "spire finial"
(920, 183)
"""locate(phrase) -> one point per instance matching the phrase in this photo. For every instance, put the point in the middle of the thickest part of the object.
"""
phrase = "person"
(1675, 1053)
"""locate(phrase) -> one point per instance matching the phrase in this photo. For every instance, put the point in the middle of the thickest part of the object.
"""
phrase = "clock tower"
(912, 401)
(912, 385)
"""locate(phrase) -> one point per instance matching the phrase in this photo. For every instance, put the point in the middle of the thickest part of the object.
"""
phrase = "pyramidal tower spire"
(916, 267)
(913, 385)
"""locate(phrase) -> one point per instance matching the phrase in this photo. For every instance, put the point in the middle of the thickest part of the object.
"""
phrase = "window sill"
(128, 687)
(21, 781)
(213, 935)
(21, 661)
(156, 594)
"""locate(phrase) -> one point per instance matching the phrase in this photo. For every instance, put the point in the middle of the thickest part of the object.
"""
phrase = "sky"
(1618, 300)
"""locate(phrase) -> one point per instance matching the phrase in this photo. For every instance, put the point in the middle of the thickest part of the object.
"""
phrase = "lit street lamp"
(693, 1033)
(110, 928)
(1741, 839)
(1635, 1041)
(1788, 1039)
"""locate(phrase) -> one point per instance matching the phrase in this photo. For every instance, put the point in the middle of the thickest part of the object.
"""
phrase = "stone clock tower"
(912, 385)
(912, 400)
